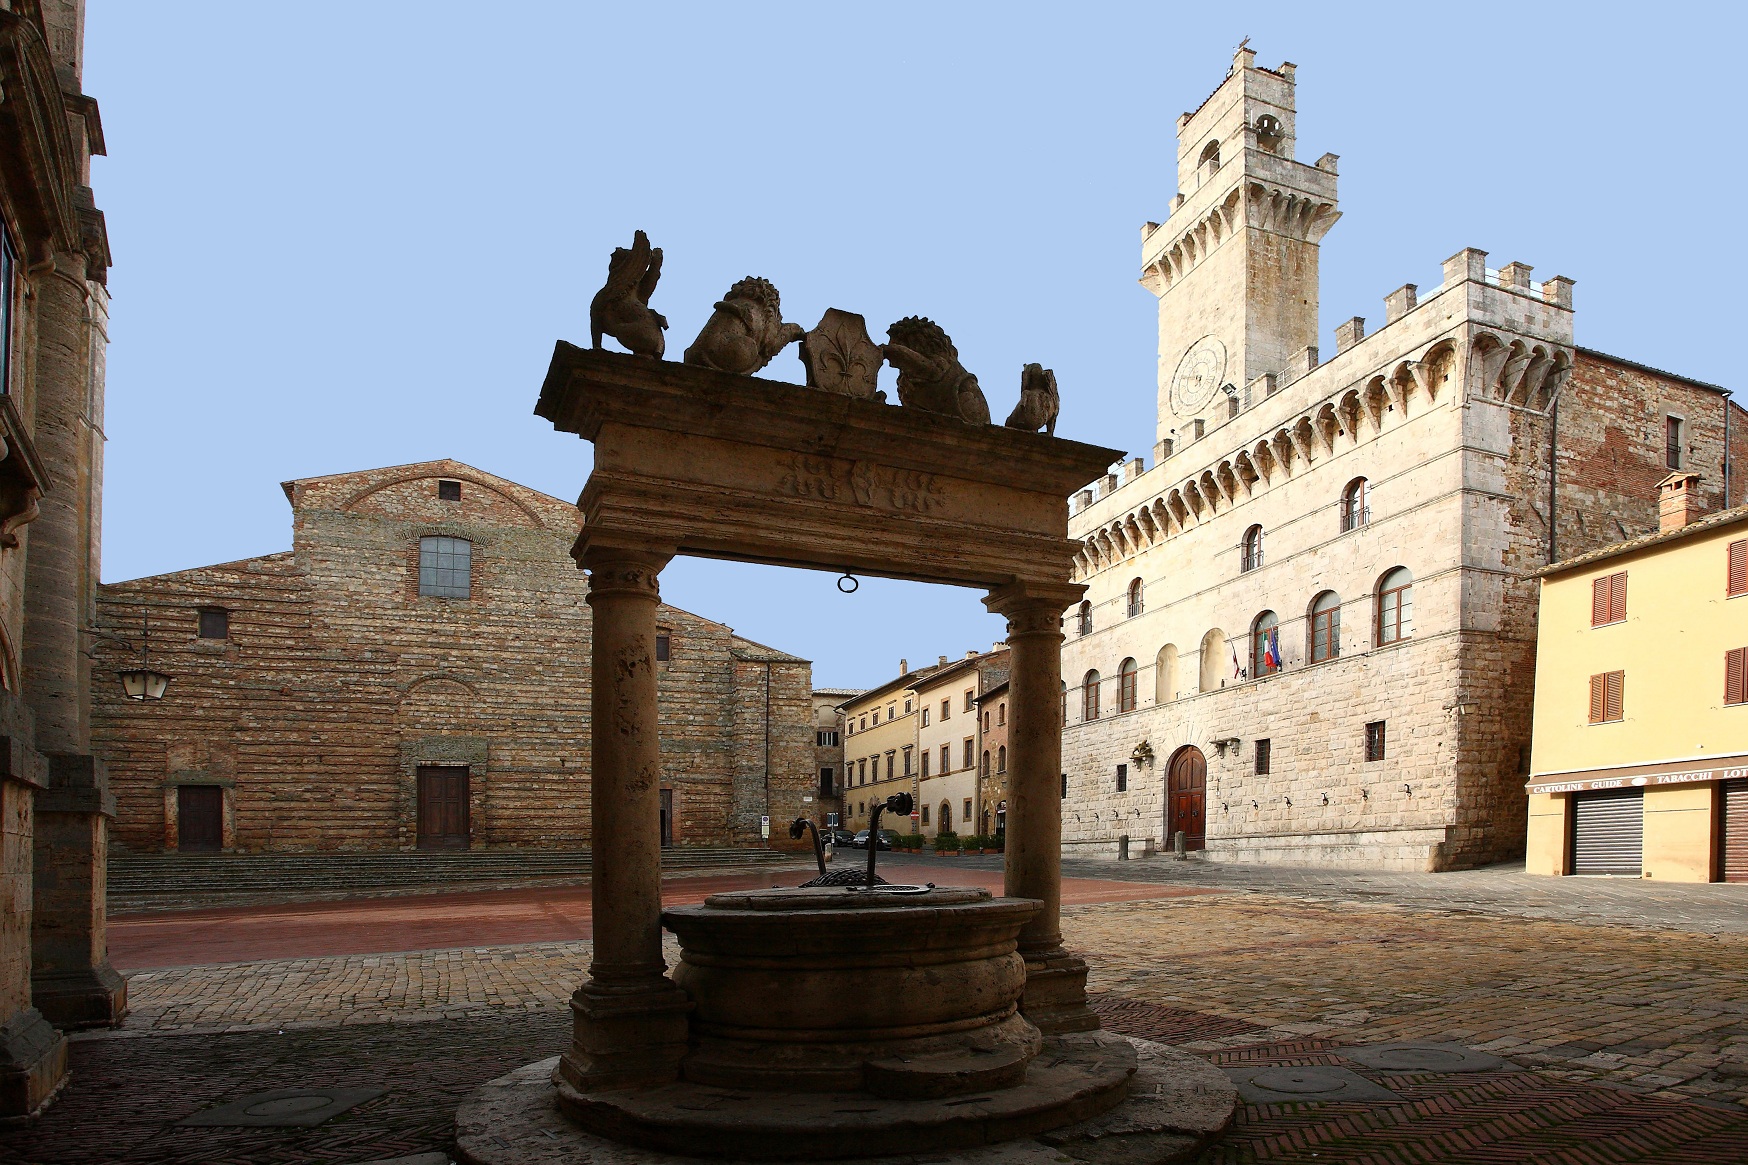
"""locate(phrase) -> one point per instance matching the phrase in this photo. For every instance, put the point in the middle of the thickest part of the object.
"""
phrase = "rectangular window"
(1736, 676)
(1263, 748)
(892, 712)
(1122, 778)
(825, 781)
(664, 647)
(215, 623)
(926, 756)
(907, 707)
(8, 292)
(925, 812)
(1375, 740)
(970, 699)
(925, 715)
(970, 753)
(876, 715)
(907, 760)
(1065, 786)
(1608, 599)
(449, 491)
(862, 772)
(967, 812)
(1672, 441)
(946, 759)
(1607, 695)
(891, 765)
(864, 725)
(1737, 583)
(445, 567)
(826, 738)
(946, 709)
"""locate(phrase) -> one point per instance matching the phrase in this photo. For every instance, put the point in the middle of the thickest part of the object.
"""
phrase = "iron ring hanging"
(855, 583)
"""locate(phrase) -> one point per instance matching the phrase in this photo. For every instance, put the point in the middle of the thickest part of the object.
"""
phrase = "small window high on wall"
(215, 623)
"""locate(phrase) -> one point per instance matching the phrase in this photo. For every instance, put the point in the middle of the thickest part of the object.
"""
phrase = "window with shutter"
(1607, 690)
(1608, 599)
(1736, 676)
(1738, 580)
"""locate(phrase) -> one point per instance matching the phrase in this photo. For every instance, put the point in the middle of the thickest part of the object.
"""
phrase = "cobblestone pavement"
(1624, 1043)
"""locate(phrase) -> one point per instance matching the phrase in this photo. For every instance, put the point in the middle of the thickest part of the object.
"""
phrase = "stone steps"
(145, 882)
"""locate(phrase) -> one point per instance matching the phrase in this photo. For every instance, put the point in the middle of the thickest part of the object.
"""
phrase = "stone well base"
(1177, 1105)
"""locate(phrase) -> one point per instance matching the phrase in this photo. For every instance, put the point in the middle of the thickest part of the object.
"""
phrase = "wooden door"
(442, 806)
(1733, 860)
(1186, 795)
(667, 818)
(200, 819)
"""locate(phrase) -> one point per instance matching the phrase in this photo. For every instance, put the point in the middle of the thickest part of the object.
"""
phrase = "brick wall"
(338, 680)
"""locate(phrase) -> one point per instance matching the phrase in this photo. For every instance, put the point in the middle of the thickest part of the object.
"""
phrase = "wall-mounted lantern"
(144, 682)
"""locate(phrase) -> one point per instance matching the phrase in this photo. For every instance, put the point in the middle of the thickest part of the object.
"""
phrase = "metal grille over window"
(1263, 748)
(445, 567)
(1375, 740)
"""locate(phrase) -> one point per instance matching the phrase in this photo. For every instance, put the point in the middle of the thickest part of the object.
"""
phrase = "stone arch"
(1212, 661)
(1327, 426)
(1165, 674)
(1377, 402)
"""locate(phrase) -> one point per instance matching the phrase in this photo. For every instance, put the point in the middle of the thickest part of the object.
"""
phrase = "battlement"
(1252, 108)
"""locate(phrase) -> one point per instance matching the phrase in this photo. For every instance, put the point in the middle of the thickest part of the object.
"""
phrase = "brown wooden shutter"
(1736, 676)
(1738, 584)
(1617, 597)
(1597, 703)
(1599, 596)
(1615, 683)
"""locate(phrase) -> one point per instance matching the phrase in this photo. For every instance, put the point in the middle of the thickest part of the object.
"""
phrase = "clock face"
(1198, 376)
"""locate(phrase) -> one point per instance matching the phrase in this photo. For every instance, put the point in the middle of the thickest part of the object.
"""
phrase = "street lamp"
(144, 682)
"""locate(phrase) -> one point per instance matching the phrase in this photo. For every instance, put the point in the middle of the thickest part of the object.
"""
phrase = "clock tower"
(1235, 266)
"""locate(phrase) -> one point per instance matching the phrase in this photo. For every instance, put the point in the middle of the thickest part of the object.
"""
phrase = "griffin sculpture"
(745, 331)
(1039, 402)
(621, 308)
(930, 376)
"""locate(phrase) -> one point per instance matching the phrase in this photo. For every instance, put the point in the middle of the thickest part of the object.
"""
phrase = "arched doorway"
(1186, 783)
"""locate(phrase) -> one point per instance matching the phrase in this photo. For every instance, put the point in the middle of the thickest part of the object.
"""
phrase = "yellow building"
(1640, 758)
(880, 748)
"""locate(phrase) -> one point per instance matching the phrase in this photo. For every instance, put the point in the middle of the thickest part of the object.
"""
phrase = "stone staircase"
(149, 882)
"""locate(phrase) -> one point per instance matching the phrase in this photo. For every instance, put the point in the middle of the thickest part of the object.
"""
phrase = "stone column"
(72, 981)
(629, 1018)
(1055, 995)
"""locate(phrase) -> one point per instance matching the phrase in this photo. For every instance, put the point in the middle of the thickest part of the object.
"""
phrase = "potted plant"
(946, 842)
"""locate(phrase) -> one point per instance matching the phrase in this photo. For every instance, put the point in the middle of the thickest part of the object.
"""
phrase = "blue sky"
(347, 236)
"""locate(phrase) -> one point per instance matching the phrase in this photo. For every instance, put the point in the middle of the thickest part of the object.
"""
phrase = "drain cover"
(1407, 1057)
(1276, 1084)
(284, 1108)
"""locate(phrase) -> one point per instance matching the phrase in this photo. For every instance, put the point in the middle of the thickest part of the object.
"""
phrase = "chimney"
(1677, 500)
(972, 654)
(903, 666)
(943, 662)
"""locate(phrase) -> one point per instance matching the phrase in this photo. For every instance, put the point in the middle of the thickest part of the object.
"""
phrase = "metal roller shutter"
(1608, 831)
(1734, 861)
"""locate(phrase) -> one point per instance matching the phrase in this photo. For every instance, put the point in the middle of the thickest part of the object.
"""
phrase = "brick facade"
(337, 681)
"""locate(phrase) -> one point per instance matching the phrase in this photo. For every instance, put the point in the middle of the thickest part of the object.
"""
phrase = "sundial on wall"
(1198, 375)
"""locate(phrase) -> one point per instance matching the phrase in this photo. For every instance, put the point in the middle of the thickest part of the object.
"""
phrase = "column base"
(1055, 994)
(625, 1037)
(33, 1065)
(88, 997)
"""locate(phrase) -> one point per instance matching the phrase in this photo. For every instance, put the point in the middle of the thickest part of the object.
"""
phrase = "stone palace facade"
(415, 672)
(1309, 636)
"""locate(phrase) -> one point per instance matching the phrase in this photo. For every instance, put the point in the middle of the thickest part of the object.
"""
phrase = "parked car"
(860, 841)
(834, 836)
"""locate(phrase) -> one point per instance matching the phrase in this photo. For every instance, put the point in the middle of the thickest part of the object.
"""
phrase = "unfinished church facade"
(1309, 636)
(414, 673)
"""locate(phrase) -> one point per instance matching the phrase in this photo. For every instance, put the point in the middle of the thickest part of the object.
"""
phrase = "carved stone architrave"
(23, 480)
(840, 356)
(38, 162)
(727, 466)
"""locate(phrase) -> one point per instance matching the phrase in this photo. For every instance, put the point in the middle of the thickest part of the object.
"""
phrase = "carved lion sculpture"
(930, 376)
(745, 331)
(621, 308)
(1039, 402)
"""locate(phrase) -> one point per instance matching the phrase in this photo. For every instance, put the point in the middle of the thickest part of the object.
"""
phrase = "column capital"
(1034, 608)
(623, 570)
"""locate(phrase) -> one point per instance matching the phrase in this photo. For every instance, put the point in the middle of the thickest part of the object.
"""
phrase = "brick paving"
(1624, 1042)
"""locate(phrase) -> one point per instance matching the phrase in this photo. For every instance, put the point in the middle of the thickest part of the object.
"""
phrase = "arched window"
(1089, 696)
(1165, 675)
(1395, 606)
(947, 816)
(1325, 627)
(1086, 617)
(1354, 512)
(1126, 686)
(445, 567)
(986, 762)
(1213, 660)
(1252, 557)
(1265, 645)
(1210, 159)
(1001, 759)
(1134, 597)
